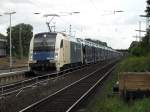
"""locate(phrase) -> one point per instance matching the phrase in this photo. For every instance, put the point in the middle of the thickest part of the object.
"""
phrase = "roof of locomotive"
(46, 33)
(62, 34)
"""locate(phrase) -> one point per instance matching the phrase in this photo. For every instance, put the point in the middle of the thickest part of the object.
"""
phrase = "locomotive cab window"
(61, 44)
(44, 42)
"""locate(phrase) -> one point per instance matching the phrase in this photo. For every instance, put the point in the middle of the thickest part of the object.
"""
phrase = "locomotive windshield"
(45, 42)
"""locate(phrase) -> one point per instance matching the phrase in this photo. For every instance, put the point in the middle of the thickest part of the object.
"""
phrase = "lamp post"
(10, 41)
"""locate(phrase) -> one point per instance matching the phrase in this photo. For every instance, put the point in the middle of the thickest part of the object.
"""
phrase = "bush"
(135, 64)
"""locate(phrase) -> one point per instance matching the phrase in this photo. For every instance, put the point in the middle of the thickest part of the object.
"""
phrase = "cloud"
(15, 1)
(96, 18)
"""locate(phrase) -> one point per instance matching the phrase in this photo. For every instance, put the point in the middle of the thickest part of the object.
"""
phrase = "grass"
(113, 103)
(135, 64)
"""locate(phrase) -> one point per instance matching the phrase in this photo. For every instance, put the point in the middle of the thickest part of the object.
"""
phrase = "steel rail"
(35, 80)
(63, 89)
(90, 90)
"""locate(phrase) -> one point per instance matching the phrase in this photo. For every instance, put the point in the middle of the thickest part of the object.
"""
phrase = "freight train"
(58, 51)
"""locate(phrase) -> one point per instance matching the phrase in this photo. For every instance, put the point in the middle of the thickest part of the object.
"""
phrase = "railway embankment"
(106, 101)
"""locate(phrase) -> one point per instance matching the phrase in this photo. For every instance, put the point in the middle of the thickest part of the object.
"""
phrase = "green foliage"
(105, 103)
(139, 50)
(115, 104)
(142, 48)
(26, 35)
(135, 64)
(148, 8)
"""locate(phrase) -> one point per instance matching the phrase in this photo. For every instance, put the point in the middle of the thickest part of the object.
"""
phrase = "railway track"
(8, 89)
(24, 84)
(69, 97)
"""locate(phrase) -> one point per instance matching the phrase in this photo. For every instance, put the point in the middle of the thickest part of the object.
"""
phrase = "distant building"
(2, 45)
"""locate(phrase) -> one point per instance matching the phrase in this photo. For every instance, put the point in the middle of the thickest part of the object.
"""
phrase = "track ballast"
(66, 98)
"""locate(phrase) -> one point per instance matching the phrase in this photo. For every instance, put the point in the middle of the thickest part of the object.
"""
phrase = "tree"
(143, 47)
(147, 37)
(26, 32)
(148, 8)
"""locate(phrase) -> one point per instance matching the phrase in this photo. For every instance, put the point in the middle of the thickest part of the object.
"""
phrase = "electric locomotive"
(58, 51)
(54, 51)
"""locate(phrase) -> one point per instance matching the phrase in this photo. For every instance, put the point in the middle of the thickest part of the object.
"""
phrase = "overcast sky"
(96, 18)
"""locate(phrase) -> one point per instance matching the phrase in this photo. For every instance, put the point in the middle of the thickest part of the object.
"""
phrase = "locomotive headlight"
(30, 57)
(32, 61)
(56, 55)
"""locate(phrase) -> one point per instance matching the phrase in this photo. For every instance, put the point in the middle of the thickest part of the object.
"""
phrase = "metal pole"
(147, 21)
(148, 27)
(10, 40)
(10, 46)
(140, 39)
(70, 28)
(149, 36)
(20, 42)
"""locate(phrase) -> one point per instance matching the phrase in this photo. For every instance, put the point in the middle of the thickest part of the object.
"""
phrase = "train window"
(75, 47)
(61, 44)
